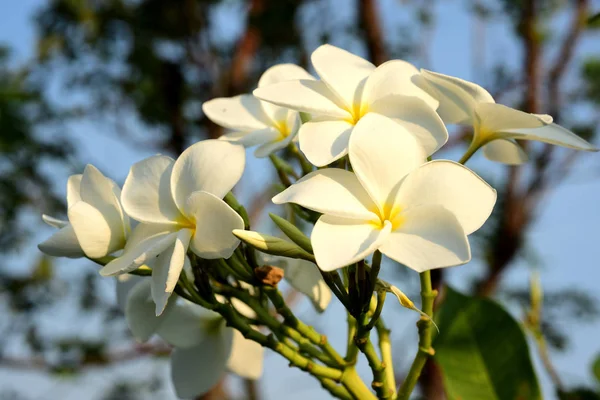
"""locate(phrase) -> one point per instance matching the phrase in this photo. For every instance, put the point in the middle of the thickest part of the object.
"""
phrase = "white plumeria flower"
(256, 122)
(350, 88)
(414, 212)
(97, 225)
(495, 126)
(305, 277)
(179, 206)
(204, 347)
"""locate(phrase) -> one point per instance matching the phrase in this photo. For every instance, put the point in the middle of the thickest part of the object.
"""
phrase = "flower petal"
(124, 284)
(214, 222)
(145, 243)
(506, 151)
(453, 186)
(338, 242)
(194, 371)
(253, 138)
(281, 73)
(430, 237)
(63, 243)
(167, 267)
(99, 192)
(242, 113)
(330, 191)
(213, 166)
(397, 154)
(73, 189)
(304, 95)
(96, 234)
(394, 78)
(457, 97)
(268, 148)
(305, 277)
(139, 311)
(246, 357)
(553, 134)
(323, 142)
(146, 193)
(343, 72)
(492, 117)
(54, 222)
(186, 325)
(417, 117)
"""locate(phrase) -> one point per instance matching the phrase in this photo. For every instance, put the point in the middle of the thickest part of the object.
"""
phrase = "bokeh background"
(109, 82)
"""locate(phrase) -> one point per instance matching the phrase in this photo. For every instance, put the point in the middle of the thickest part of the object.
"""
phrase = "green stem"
(335, 389)
(355, 385)
(363, 342)
(351, 349)
(281, 169)
(373, 273)
(425, 350)
(307, 167)
(385, 348)
(377, 312)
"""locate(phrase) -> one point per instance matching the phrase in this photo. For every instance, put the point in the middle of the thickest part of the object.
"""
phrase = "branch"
(369, 21)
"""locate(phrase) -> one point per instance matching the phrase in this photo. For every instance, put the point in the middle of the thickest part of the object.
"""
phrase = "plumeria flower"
(305, 277)
(97, 225)
(256, 122)
(179, 206)
(495, 126)
(350, 88)
(204, 348)
(415, 212)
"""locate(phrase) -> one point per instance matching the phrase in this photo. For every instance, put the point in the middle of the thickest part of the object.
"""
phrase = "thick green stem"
(385, 347)
(363, 342)
(355, 385)
(425, 350)
(373, 273)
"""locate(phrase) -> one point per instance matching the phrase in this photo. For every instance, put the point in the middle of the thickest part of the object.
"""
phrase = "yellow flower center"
(391, 213)
(283, 128)
(357, 112)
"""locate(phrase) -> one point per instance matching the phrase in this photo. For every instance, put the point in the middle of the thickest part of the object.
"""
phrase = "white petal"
(342, 71)
(124, 285)
(253, 138)
(214, 222)
(323, 142)
(305, 277)
(167, 267)
(382, 152)
(553, 134)
(73, 189)
(268, 148)
(243, 113)
(242, 307)
(146, 193)
(97, 235)
(283, 72)
(457, 97)
(99, 192)
(304, 95)
(62, 244)
(506, 151)
(194, 371)
(393, 78)
(430, 237)
(417, 117)
(330, 191)
(246, 358)
(338, 242)
(213, 166)
(453, 186)
(146, 242)
(186, 325)
(139, 312)
(54, 222)
(492, 117)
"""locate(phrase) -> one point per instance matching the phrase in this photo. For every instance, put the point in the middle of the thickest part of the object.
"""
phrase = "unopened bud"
(292, 231)
(272, 245)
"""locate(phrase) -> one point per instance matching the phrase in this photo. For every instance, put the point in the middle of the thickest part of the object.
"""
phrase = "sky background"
(565, 236)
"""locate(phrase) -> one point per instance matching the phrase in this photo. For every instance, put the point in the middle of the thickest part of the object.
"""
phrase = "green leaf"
(482, 351)
(596, 368)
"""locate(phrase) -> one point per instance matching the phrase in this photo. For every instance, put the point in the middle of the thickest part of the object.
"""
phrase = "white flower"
(256, 122)
(179, 205)
(416, 213)
(305, 277)
(97, 225)
(204, 347)
(495, 126)
(351, 87)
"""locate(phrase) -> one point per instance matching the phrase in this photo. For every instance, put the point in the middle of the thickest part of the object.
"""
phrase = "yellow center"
(357, 112)
(283, 128)
(391, 213)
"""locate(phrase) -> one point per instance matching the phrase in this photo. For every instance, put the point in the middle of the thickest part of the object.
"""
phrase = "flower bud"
(272, 245)
(292, 231)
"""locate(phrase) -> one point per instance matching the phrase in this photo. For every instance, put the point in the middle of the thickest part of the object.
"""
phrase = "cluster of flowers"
(385, 195)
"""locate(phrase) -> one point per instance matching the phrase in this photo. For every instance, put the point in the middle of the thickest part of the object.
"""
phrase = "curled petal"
(553, 134)
(330, 191)
(506, 151)
(281, 73)
(213, 166)
(338, 242)
(241, 113)
(73, 189)
(99, 192)
(96, 233)
(492, 117)
(246, 357)
(188, 324)
(430, 237)
(54, 222)
(253, 138)
(305, 277)
(63, 243)
(323, 142)
(214, 222)
(139, 312)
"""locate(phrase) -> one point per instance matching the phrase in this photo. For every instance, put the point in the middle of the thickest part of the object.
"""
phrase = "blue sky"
(565, 236)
